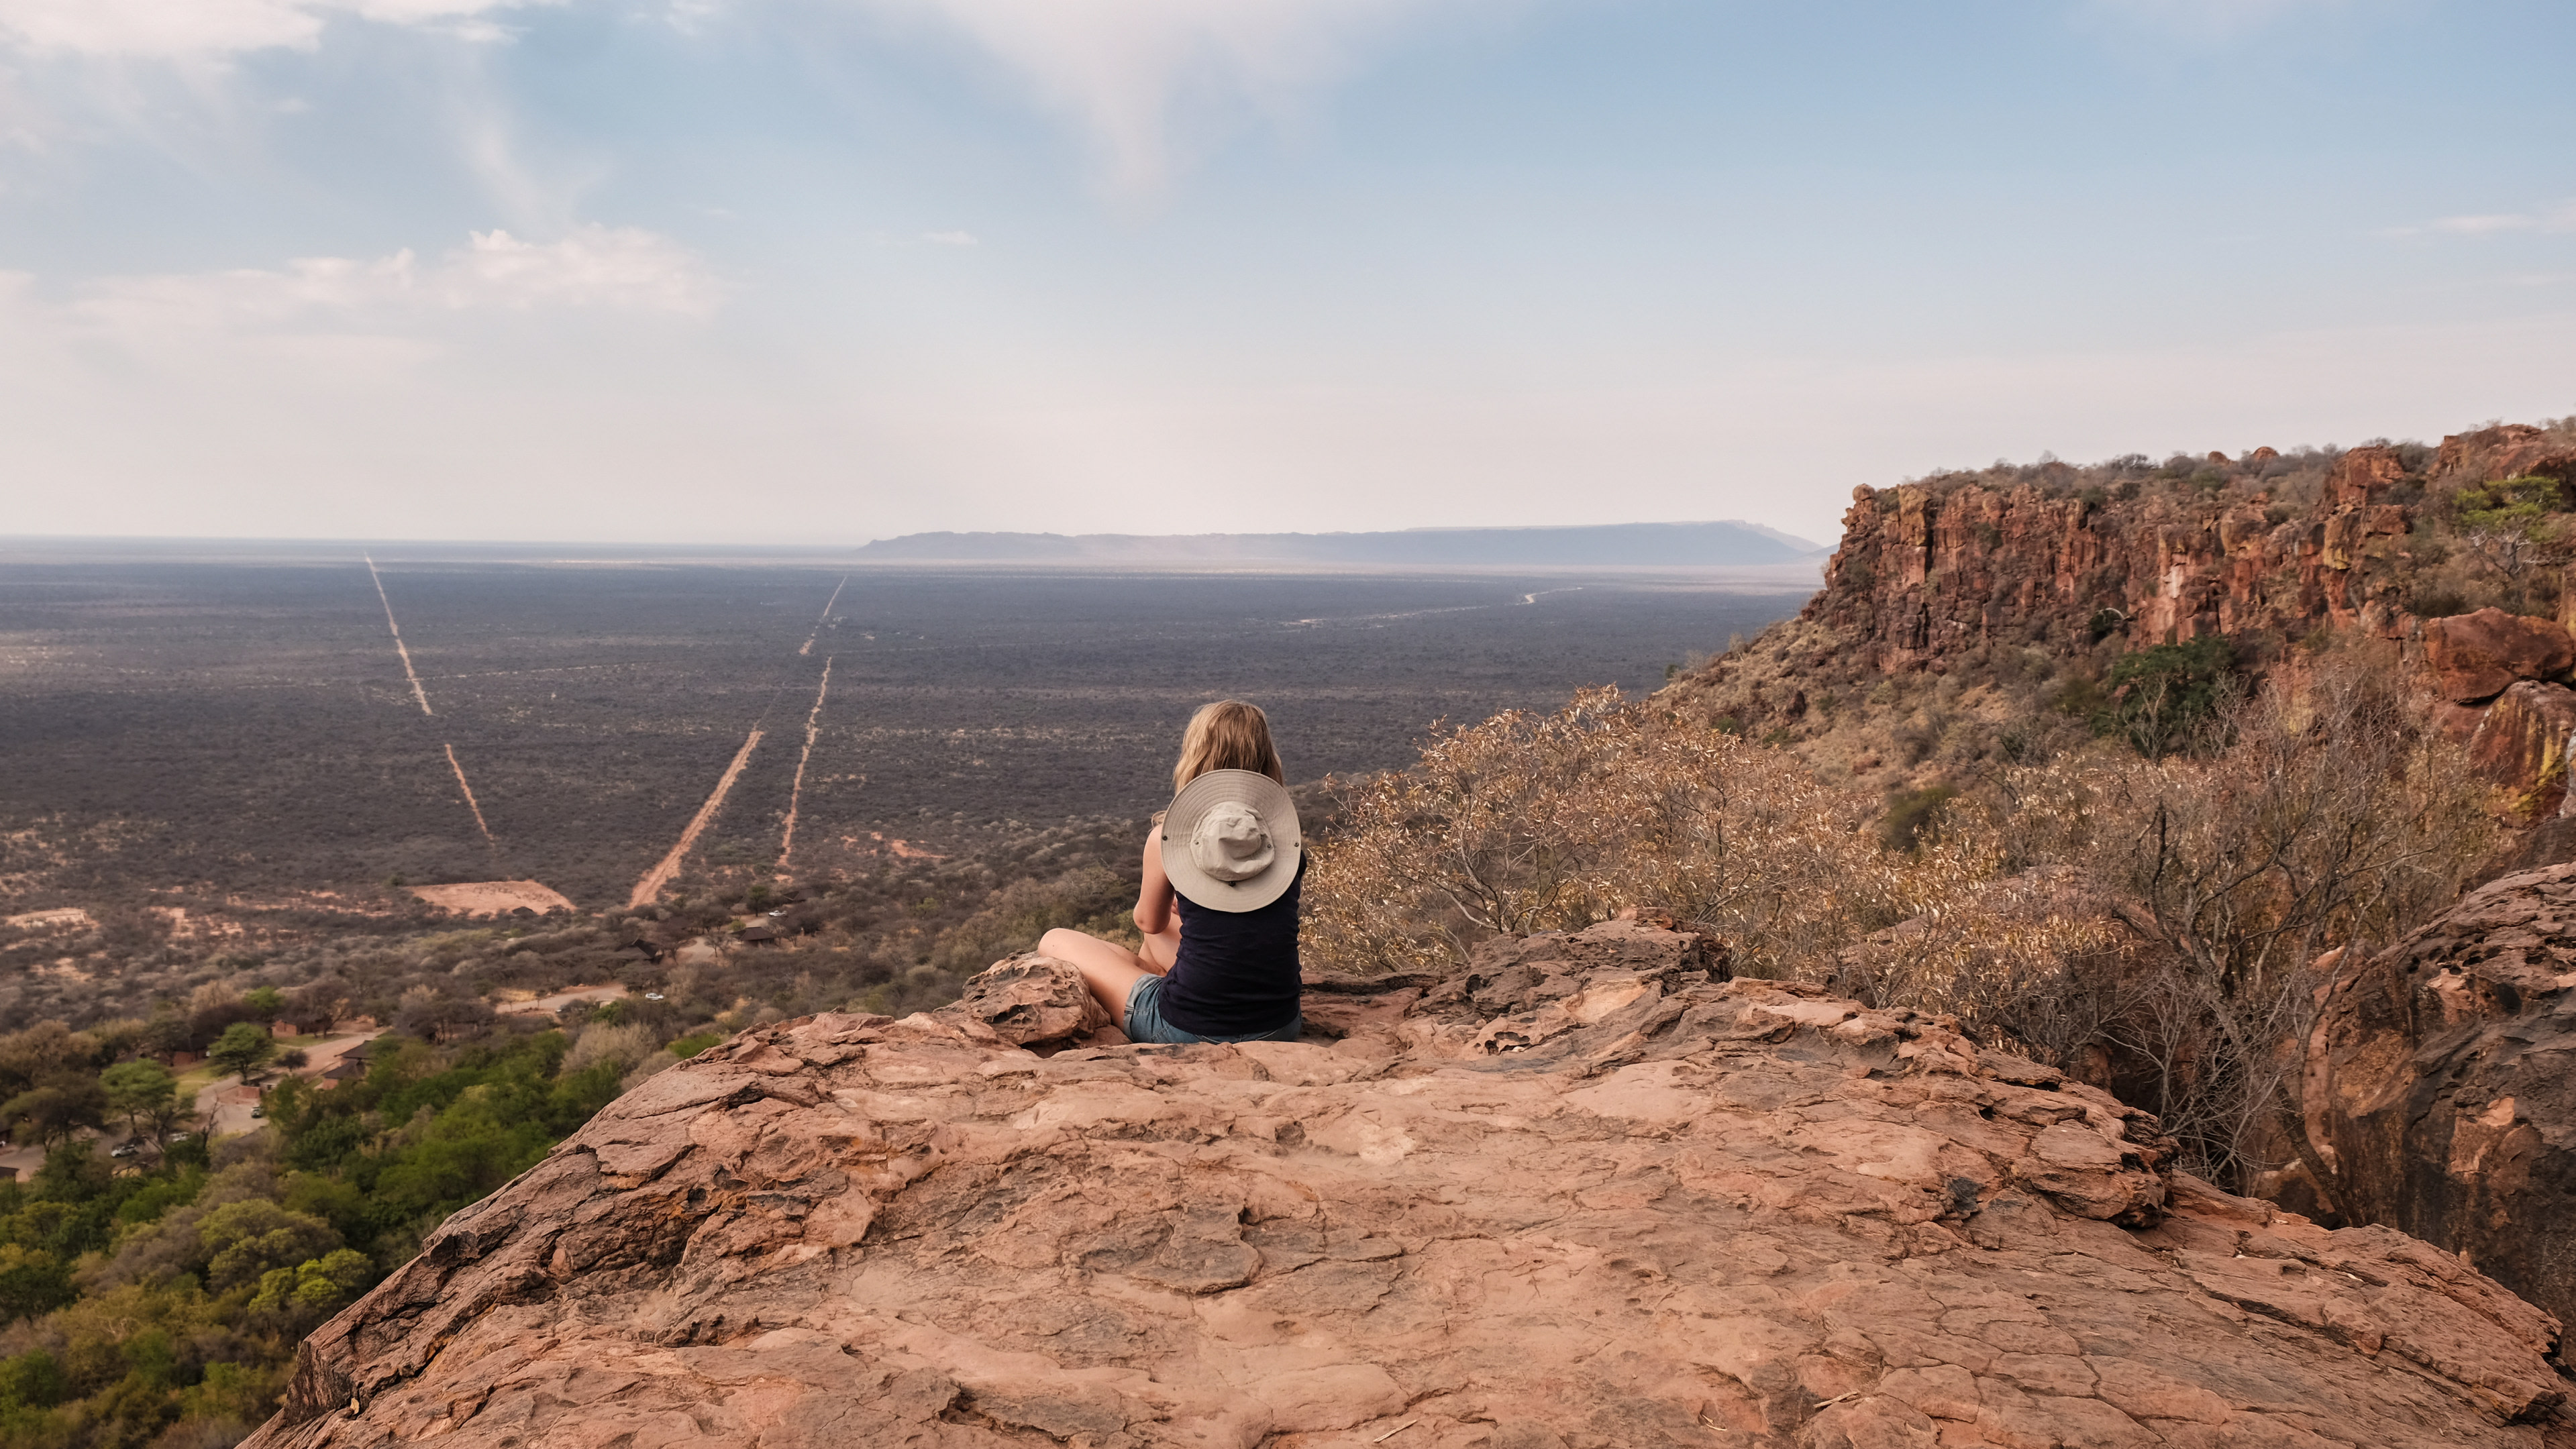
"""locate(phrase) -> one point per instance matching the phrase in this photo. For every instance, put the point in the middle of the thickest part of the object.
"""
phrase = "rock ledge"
(1584, 1194)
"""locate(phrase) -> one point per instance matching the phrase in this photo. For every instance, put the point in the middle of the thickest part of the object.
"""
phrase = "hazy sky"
(819, 270)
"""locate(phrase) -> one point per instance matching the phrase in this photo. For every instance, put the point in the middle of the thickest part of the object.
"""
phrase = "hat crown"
(1231, 843)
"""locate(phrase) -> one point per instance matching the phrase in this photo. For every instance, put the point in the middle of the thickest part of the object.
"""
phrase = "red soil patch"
(493, 897)
(65, 916)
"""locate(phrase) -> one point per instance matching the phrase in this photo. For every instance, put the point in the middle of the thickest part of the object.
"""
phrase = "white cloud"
(1123, 67)
(195, 29)
(622, 268)
(593, 266)
(951, 238)
(2213, 19)
(2559, 218)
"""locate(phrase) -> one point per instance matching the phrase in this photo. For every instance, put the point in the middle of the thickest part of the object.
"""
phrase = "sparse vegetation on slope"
(2140, 910)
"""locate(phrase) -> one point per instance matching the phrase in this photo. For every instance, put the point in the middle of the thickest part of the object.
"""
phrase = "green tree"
(2167, 698)
(32, 1380)
(55, 1111)
(32, 1281)
(245, 1240)
(144, 1094)
(315, 1286)
(241, 1049)
(41, 1053)
(2501, 521)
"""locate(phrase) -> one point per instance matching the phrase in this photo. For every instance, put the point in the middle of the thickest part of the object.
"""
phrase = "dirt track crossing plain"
(274, 745)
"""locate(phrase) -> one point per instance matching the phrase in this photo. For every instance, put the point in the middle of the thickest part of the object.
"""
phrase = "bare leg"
(1159, 952)
(1109, 969)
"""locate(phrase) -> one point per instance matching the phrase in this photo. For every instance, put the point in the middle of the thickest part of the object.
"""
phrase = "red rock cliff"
(1927, 571)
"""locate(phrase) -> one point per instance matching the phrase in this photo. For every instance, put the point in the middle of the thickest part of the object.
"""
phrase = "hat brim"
(1278, 811)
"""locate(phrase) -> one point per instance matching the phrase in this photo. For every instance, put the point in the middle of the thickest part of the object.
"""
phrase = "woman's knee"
(1060, 940)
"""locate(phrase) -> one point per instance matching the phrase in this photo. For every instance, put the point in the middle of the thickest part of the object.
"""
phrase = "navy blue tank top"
(1236, 972)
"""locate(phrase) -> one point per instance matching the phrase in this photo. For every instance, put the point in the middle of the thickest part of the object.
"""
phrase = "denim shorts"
(1145, 1019)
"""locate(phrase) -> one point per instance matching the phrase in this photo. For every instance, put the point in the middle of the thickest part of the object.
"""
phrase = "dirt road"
(470, 802)
(660, 875)
(386, 599)
(824, 618)
(224, 1105)
(796, 790)
(422, 695)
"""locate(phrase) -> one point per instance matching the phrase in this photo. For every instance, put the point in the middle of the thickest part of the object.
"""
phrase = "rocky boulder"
(2439, 1090)
(2509, 450)
(1581, 1195)
(2477, 656)
(2520, 742)
(1036, 1001)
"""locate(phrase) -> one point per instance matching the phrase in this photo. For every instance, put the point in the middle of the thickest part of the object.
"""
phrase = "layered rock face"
(1585, 1194)
(2439, 1088)
(2511, 450)
(1923, 573)
(2519, 740)
(1929, 576)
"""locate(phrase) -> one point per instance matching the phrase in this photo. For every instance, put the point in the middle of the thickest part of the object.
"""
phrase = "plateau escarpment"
(1958, 607)
(1586, 1192)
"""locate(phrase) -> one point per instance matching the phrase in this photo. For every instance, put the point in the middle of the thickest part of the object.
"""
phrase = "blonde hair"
(1227, 735)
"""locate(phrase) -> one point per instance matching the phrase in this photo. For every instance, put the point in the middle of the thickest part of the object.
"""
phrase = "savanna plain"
(2120, 921)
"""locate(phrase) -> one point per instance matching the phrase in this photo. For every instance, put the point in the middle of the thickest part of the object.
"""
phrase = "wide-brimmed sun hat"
(1230, 840)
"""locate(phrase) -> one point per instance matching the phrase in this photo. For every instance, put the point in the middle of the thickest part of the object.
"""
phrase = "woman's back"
(1236, 973)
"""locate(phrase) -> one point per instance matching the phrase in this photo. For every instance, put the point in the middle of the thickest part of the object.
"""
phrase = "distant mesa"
(1723, 544)
(494, 897)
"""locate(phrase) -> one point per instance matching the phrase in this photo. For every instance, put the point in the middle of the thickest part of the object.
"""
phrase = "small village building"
(346, 1069)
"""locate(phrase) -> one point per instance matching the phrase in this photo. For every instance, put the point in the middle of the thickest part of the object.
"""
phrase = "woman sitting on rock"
(1219, 906)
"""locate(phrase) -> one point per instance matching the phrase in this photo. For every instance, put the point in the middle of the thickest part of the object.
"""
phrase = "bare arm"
(1154, 901)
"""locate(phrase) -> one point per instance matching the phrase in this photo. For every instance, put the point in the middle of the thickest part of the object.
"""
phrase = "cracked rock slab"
(1676, 1211)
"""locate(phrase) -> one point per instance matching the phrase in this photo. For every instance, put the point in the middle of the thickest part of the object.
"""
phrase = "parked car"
(652, 996)
(126, 1149)
(260, 1110)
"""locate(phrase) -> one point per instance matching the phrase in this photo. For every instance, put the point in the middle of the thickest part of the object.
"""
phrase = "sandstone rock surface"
(1030, 1000)
(1581, 1195)
(1923, 573)
(2509, 450)
(2438, 1081)
(2521, 742)
(2478, 656)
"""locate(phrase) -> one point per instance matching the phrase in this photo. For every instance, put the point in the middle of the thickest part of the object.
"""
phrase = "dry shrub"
(1094, 899)
(2027, 960)
(2334, 817)
(2152, 923)
(1531, 822)
(626, 1046)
